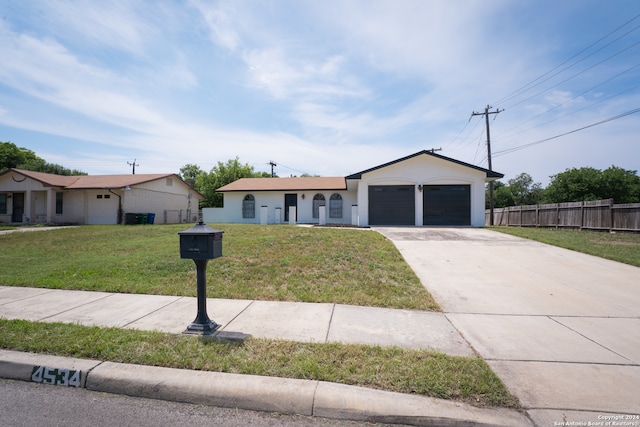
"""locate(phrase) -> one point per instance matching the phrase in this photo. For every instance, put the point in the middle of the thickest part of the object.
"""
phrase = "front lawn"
(276, 263)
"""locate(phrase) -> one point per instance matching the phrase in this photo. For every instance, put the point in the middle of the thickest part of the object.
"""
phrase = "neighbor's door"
(290, 200)
(18, 207)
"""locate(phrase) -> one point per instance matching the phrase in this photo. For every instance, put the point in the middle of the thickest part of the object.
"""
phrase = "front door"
(18, 207)
(290, 200)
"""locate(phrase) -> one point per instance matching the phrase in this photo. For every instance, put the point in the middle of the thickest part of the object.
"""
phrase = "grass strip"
(617, 246)
(273, 263)
(465, 379)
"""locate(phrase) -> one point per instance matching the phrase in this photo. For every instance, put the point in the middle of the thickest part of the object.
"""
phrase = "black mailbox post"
(201, 243)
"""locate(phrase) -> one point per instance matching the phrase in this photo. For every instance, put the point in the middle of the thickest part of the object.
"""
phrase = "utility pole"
(134, 164)
(273, 164)
(486, 117)
(433, 150)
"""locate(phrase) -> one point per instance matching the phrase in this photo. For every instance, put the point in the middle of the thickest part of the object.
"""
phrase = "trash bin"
(151, 217)
(144, 218)
(129, 218)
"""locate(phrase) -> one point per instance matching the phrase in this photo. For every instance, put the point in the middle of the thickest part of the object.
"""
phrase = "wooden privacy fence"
(591, 215)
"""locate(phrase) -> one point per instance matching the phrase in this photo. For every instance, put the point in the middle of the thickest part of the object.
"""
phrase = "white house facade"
(28, 197)
(423, 189)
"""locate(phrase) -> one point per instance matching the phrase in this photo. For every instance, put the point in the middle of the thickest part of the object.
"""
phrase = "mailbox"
(201, 242)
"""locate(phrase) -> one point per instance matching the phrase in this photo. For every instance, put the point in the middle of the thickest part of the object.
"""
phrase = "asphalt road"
(25, 404)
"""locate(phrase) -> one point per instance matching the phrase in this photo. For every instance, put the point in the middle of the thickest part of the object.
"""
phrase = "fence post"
(582, 215)
(610, 215)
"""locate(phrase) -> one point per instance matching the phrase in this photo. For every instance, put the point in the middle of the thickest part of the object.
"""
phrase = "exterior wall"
(39, 201)
(423, 170)
(168, 195)
(232, 210)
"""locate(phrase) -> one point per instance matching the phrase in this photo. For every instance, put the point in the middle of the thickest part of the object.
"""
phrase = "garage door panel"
(392, 205)
(447, 205)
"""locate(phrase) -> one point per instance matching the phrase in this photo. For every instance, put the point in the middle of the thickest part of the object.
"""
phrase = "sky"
(328, 88)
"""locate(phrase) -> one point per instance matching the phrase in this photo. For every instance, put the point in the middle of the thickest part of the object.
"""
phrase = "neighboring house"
(39, 198)
(421, 189)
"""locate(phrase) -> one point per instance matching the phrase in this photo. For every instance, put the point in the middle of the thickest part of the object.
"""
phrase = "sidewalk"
(313, 323)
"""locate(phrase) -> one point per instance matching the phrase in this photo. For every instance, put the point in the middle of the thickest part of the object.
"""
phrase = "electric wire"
(531, 144)
(507, 132)
(528, 85)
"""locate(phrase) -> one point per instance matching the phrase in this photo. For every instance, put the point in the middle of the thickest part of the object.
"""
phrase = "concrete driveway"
(560, 328)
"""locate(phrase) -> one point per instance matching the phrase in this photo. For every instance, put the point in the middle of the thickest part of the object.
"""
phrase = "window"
(169, 182)
(335, 206)
(318, 200)
(249, 206)
(3, 203)
(59, 203)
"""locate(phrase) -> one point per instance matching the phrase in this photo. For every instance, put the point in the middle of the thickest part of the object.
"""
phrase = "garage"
(392, 205)
(446, 205)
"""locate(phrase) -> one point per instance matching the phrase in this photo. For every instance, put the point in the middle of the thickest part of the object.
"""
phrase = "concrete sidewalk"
(291, 321)
(264, 319)
(560, 328)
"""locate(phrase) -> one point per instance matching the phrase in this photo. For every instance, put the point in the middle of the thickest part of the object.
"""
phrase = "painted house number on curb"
(46, 375)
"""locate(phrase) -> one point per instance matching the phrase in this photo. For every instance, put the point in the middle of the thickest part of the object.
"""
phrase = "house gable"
(490, 175)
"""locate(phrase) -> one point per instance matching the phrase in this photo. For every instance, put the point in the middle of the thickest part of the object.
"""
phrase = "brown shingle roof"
(91, 181)
(115, 181)
(286, 184)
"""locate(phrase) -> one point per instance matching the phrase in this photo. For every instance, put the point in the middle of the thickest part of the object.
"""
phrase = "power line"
(575, 75)
(569, 100)
(486, 117)
(531, 85)
(273, 165)
(134, 164)
(531, 144)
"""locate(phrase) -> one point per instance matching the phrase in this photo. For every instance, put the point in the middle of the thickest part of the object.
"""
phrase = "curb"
(258, 393)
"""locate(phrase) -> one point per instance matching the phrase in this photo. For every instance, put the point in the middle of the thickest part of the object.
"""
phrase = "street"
(24, 404)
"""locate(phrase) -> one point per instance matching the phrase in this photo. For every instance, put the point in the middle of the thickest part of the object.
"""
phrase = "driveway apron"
(560, 328)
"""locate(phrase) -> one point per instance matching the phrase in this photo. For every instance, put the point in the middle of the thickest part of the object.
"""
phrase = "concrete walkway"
(283, 320)
(264, 319)
(560, 328)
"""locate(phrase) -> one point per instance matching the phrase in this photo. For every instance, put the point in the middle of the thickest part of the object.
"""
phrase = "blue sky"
(326, 87)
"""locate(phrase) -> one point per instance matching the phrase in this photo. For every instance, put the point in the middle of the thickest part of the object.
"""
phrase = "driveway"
(560, 328)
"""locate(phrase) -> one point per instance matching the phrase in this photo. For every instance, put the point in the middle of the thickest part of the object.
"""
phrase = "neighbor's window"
(59, 203)
(335, 206)
(169, 182)
(249, 206)
(318, 200)
(3, 203)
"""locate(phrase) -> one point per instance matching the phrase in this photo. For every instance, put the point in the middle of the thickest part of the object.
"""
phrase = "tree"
(12, 156)
(520, 190)
(524, 190)
(190, 173)
(587, 183)
(623, 186)
(220, 175)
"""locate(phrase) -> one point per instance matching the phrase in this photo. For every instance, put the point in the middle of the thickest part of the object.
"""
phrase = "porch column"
(27, 215)
(322, 214)
(50, 206)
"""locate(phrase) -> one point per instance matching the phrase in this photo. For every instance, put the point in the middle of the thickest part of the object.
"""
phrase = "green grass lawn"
(275, 263)
(466, 379)
(621, 247)
(282, 263)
